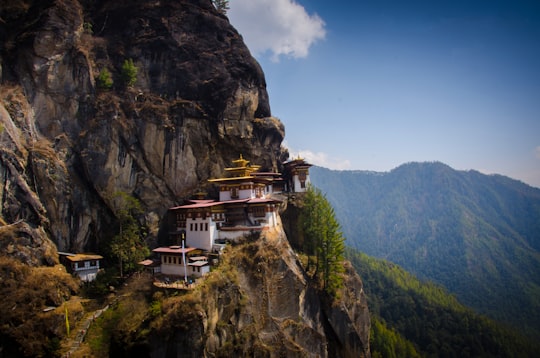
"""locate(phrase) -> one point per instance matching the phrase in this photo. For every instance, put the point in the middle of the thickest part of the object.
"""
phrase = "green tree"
(129, 73)
(323, 240)
(386, 342)
(87, 27)
(221, 5)
(128, 246)
(104, 79)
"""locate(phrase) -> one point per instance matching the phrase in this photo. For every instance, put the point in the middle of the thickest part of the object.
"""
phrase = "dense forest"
(411, 318)
(477, 235)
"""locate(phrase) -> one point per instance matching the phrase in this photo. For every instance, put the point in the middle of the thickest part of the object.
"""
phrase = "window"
(181, 220)
(302, 176)
(80, 264)
(93, 263)
(234, 193)
(259, 211)
(205, 226)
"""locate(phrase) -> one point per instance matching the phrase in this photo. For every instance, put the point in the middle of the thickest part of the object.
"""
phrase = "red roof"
(198, 263)
(173, 250)
(198, 258)
(201, 201)
(210, 203)
(199, 204)
(260, 200)
(150, 263)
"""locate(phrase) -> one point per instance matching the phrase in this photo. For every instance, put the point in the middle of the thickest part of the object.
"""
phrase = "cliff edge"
(259, 303)
(74, 131)
(67, 145)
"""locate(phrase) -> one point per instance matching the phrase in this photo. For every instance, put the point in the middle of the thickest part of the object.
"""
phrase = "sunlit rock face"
(262, 304)
(67, 144)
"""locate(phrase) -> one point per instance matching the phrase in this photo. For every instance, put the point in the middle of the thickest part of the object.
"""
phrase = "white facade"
(88, 273)
(198, 268)
(300, 186)
(297, 175)
(173, 264)
(201, 232)
(205, 221)
(244, 205)
(246, 190)
(86, 266)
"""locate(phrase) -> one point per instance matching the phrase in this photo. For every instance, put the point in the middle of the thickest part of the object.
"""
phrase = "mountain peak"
(476, 234)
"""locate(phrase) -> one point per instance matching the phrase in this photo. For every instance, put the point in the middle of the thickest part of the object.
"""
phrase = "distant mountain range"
(478, 235)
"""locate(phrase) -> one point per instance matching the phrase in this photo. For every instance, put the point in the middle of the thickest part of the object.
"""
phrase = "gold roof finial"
(241, 162)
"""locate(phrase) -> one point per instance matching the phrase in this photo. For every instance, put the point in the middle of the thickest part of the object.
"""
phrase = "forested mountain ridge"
(478, 235)
(411, 318)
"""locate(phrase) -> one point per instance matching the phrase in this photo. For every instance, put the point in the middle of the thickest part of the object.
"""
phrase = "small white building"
(176, 261)
(297, 174)
(198, 266)
(151, 266)
(86, 266)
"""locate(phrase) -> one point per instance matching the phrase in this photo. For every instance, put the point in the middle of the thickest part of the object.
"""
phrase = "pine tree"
(104, 79)
(128, 246)
(323, 239)
(129, 73)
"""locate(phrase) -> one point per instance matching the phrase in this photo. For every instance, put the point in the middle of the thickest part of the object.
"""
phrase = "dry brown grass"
(44, 149)
(25, 292)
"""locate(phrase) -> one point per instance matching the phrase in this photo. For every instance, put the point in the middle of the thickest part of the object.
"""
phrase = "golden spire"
(241, 162)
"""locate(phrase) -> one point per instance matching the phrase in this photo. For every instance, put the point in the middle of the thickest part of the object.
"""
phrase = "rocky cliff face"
(259, 303)
(67, 146)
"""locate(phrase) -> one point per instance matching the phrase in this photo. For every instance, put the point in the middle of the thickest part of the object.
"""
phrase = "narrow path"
(74, 341)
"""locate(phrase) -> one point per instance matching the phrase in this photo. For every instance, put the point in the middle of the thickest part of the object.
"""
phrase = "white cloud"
(321, 159)
(281, 27)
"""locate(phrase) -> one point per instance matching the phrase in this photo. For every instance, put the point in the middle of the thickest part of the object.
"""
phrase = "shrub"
(221, 5)
(104, 80)
(129, 73)
(87, 27)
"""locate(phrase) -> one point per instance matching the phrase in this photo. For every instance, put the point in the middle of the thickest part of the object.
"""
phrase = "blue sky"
(371, 85)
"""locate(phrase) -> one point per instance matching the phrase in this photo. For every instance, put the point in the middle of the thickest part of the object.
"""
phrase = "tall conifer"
(323, 240)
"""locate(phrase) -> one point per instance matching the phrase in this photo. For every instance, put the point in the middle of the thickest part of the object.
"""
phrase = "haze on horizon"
(370, 85)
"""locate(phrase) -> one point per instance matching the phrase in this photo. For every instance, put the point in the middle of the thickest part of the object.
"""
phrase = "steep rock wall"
(260, 303)
(67, 145)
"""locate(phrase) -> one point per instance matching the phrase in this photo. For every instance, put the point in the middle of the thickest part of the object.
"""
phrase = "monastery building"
(247, 204)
